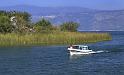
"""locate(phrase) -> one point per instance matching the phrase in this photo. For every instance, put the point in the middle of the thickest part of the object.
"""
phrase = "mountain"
(89, 19)
(36, 10)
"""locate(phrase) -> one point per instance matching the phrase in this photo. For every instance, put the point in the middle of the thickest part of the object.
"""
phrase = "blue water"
(55, 60)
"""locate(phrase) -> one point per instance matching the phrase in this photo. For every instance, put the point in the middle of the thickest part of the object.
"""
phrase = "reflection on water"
(72, 57)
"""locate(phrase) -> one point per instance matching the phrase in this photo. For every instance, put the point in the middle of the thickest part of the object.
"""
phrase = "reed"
(13, 39)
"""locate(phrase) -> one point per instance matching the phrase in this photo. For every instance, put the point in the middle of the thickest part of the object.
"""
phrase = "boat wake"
(101, 51)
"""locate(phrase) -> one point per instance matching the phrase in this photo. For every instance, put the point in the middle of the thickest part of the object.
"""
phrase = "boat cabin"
(81, 47)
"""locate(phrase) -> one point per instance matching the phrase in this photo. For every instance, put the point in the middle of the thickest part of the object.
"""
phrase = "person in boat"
(71, 46)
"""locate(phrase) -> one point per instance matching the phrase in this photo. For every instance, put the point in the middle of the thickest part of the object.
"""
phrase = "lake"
(55, 60)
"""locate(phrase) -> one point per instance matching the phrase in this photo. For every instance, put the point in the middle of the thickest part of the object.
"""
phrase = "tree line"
(20, 22)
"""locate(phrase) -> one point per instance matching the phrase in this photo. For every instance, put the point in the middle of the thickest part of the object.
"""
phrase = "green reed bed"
(56, 38)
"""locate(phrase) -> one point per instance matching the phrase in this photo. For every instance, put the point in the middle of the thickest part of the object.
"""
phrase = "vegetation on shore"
(17, 29)
(12, 39)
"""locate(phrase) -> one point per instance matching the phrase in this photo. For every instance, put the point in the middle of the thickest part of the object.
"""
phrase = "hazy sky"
(96, 4)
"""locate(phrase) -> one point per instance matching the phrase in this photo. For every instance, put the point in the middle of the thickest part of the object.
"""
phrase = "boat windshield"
(84, 48)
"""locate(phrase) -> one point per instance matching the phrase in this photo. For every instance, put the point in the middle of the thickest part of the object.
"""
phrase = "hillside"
(89, 19)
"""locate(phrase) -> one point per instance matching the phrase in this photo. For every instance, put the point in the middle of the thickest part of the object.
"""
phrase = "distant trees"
(14, 21)
(24, 15)
(21, 20)
(21, 25)
(5, 25)
(69, 26)
(43, 25)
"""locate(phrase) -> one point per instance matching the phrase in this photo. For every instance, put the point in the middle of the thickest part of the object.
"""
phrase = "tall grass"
(12, 39)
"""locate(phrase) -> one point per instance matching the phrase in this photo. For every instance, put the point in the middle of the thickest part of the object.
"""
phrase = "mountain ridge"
(89, 19)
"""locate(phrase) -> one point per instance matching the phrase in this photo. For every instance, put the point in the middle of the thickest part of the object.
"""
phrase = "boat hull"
(79, 52)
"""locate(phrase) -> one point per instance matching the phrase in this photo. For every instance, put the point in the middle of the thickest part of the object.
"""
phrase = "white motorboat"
(79, 49)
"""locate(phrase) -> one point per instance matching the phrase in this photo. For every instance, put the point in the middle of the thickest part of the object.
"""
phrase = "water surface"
(55, 60)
